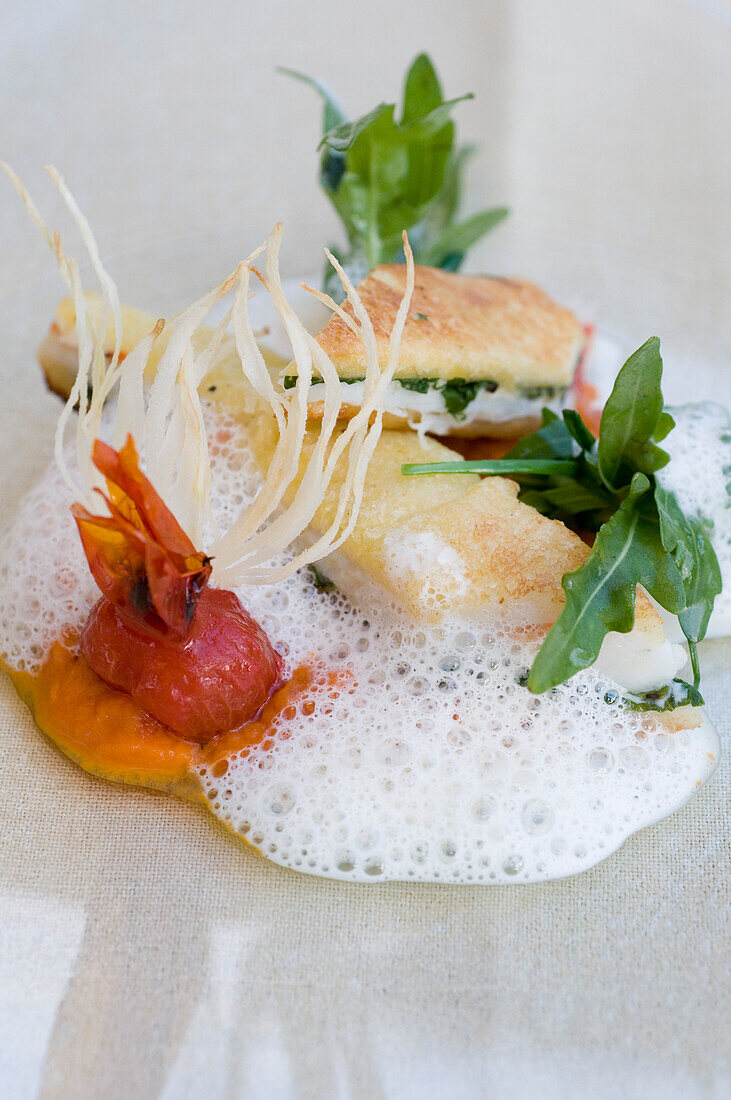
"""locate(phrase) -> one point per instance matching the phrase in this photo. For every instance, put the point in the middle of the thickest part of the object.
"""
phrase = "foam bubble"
(427, 761)
(45, 584)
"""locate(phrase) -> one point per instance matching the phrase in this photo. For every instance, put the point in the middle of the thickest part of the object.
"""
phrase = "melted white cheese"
(638, 665)
(498, 407)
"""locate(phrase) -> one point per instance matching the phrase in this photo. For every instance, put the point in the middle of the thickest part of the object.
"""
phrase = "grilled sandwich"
(480, 356)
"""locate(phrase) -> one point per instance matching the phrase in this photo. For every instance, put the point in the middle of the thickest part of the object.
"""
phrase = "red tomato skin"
(217, 678)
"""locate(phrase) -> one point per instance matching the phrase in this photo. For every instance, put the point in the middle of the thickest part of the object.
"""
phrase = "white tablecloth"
(143, 951)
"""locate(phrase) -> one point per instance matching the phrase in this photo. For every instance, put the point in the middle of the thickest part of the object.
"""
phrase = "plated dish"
(266, 578)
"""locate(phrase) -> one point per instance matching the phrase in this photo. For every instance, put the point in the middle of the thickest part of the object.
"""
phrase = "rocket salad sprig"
(385, 175)
(609, 486)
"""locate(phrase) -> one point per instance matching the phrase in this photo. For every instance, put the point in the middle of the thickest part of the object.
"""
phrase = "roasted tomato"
(189, 655)
(217, 679)
(142, 560)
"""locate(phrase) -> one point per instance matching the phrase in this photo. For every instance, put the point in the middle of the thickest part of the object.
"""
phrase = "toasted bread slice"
(471, 327)
(503, 346)
(58, 352)
(459, 545)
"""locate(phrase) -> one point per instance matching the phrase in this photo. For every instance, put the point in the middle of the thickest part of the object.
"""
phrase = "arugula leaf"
(391, 172)
(552, 440)
(578, 430)
(422, 90)
(664, 426)
(570, 497)
(643, 536)
(502, 466)
(633, 421)
(631, 417)
(600, 596)
(384, 176)
(581, 500)
(686, 539)
(332, 163)
(555, 476)
(457, 239)
(332, 113)
(444, 207)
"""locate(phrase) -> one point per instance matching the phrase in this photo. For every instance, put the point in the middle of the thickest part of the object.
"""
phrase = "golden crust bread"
(462, 326)
(58, 352)
(448, 543)
(434, 545)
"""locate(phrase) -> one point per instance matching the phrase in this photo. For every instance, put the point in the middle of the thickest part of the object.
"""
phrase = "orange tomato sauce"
(106, 733)
(587, 404)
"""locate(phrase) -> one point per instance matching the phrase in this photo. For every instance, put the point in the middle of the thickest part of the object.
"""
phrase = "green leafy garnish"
(320, 582)
(384, 175)
(532, 393)
(503, 466)
(289, 381)
(631, 419)
(457, 393)
(676, 694)
(608, 486)
(600, 596)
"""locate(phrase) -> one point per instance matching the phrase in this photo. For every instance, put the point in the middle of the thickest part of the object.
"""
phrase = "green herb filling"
(457, 393)
(320, 582)
(675, 694)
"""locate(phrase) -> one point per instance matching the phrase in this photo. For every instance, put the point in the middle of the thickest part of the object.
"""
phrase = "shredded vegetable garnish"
(264, 530)
(166, 421)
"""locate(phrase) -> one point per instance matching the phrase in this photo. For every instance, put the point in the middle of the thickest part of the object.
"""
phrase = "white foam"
(45, 584)
(434, 764)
